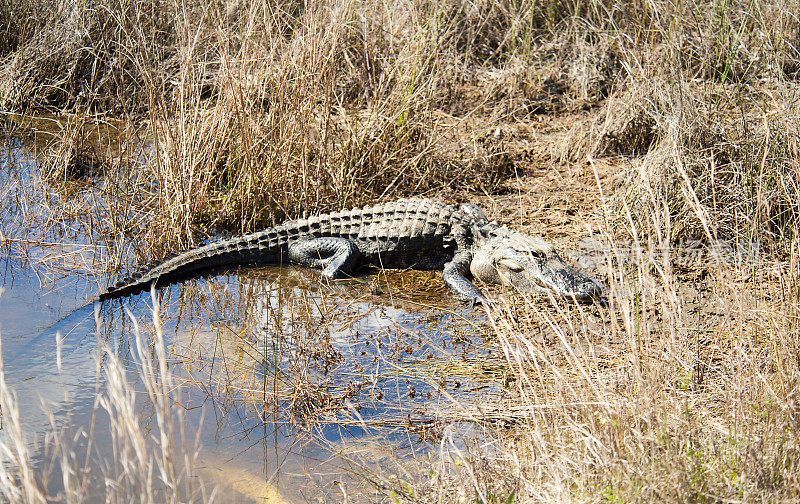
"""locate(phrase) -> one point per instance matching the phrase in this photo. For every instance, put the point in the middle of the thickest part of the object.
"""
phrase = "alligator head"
(529, 264)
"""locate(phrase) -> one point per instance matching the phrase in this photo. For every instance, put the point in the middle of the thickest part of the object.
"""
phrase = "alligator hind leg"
(336, 256)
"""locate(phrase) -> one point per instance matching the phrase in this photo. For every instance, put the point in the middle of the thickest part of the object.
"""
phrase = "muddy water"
(290, 383)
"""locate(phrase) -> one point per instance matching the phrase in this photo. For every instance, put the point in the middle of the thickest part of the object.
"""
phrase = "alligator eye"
(536, 254)
(510, 265)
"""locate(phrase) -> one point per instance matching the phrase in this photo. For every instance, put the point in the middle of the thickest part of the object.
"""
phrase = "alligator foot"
(454, 277)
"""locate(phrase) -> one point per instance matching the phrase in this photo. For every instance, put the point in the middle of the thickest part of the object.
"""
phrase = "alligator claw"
(480, 300)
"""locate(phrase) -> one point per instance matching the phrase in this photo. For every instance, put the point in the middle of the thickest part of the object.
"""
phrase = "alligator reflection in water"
(298, 348)
(288, 371)
(345, 367)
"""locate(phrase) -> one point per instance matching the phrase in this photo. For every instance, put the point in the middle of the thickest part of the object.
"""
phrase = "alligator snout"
(570, 283)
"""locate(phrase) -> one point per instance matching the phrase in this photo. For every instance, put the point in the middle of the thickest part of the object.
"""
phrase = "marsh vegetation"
(655, 142)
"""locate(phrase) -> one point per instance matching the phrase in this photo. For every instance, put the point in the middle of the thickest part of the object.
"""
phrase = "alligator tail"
(264, 247)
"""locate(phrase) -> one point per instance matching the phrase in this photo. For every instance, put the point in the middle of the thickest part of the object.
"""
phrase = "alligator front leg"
(337, 256)
(454, 277)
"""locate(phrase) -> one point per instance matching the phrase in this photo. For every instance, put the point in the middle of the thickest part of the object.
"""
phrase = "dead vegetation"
(723, 158)
(676, 123)
(256, 112)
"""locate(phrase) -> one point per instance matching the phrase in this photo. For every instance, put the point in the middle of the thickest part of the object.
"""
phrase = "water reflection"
(292, 381)
(290, 370)
(293, 385)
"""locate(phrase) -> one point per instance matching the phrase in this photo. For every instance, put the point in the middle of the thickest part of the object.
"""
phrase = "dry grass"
(256, 112)
(723, 159)
(248, 112)
(682, 392)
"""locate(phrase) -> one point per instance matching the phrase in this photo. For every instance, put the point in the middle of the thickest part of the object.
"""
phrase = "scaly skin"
(413, 233)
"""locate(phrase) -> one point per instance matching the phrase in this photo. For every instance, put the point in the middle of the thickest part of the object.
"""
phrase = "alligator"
(408, 233)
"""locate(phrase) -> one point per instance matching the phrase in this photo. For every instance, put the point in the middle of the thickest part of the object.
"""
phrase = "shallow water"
(291, 383)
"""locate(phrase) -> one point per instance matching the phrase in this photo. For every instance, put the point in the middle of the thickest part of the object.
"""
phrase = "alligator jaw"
(531, 264)
(559, 278)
